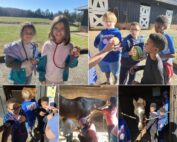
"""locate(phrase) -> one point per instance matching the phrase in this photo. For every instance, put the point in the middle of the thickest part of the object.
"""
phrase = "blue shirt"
(123, 131)
(162, 120)
(53, 123)
(28, 107)
(169, 49)
(102, 39)
(127, 45)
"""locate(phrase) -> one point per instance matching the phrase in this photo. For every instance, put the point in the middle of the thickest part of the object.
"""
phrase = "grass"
(10, 32)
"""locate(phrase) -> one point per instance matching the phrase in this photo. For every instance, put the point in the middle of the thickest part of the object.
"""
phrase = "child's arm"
(12, 63)
(97, 40)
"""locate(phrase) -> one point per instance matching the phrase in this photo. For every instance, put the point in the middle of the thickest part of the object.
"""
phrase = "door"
(169, 14)
(144, 16)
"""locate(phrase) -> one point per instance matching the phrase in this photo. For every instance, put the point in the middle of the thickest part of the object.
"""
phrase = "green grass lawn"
(10, 32)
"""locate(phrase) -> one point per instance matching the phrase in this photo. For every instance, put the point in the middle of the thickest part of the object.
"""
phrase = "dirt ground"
(145, 33)
(77, 76)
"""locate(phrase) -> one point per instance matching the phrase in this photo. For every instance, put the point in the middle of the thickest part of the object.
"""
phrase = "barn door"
(96, 10)
(169, 14)
(144, 16)
(173, 112)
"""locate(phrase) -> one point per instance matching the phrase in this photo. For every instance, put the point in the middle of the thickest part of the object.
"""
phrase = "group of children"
(158, 120)
(22, 117)
(158, 51)
(57, 56)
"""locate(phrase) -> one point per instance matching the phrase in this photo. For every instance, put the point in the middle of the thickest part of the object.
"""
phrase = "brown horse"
(78, 107)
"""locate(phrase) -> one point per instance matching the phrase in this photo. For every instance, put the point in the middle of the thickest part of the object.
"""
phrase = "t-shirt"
(102, 39)
(169, 49)
(153, 71)
(127, 45)
(28, 107)
(110, 116)
(54, 127)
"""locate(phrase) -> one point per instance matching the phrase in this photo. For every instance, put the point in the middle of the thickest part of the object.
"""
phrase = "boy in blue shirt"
(167, 55)
(111, 62)
(29, 106)
(162, 122)
(133, 39)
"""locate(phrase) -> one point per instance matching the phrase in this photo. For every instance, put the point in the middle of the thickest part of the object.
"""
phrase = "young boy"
(111, 62)
(29, 106)
(18, 132)
(153, 69)
(162, 122)
(161, 24)
(152, 123)
(133, 39)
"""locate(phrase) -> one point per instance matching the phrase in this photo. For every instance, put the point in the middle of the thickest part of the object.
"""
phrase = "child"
(21, 56)
(18, 132)
(68, 126)
(162, 122)
(153, 69)
(133, 39)
(111, 62)
(161, 24)
(152, 123)
(88, 131)
(29, 106)
(58, 54)
(110, 113)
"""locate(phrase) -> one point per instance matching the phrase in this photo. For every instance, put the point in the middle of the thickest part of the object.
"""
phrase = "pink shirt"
(53, 73)
(110, 116)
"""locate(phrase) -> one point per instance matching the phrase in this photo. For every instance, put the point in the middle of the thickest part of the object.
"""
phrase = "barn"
(150, 94)
(84, 20)
(142, 11)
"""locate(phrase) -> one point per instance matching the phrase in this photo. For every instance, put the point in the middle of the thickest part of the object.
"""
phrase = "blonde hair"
(110, 16)
(64, 20)
(26, 94)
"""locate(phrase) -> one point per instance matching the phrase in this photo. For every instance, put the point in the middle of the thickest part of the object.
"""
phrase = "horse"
(139, 111)
(78, 107)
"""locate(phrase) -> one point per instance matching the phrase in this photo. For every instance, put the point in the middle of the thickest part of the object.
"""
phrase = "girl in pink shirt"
(59, 52)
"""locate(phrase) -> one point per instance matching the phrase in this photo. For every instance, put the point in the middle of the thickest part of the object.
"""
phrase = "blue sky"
(52, 5)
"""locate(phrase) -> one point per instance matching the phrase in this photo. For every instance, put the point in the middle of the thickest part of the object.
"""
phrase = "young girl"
(58, 54)
(21, 56)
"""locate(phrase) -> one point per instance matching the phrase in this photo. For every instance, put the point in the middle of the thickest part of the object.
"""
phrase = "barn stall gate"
(149, 93)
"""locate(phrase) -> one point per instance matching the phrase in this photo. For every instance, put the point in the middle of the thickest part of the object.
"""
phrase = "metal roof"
(171, 2)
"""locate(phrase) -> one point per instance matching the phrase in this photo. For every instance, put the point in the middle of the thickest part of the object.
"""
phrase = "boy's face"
(152, 109)
(27, 35)
(162, 113)
(159, 28)
(59, 32)
(109, 24)
(44, 104)
(135, 30)
(150, 48)
(14, 108)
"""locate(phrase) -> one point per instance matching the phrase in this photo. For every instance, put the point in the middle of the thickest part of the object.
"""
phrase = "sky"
(52, 5)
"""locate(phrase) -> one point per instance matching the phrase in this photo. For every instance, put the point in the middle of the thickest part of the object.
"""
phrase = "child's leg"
(123, 75)
(115, 69)
(104, 66)
(131, 78)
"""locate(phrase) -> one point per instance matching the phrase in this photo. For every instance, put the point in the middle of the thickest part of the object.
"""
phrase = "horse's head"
(139, 111)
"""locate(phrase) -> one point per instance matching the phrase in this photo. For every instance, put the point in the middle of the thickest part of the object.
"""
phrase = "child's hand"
(132, 52)
(75, 52)
(34, 61)
(132, 70)
(49, 116)
(42, 113)
(22, 119)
